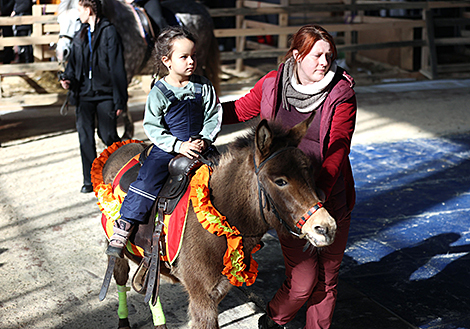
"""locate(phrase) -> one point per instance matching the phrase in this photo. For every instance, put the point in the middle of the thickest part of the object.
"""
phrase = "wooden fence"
(354, 31)
(45, 32)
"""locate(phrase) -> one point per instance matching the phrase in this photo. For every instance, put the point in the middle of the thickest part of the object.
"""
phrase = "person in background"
(183, 115)
(21, 8)
(6, 8)
(309, 80)
(97, 78)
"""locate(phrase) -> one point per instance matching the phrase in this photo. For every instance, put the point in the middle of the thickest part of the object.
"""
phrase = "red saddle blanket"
(110, 198)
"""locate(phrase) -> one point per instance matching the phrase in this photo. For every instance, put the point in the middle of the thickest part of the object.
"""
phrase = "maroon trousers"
(312, 278)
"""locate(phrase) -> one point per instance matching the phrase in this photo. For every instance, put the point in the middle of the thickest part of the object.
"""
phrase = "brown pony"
(265, 164)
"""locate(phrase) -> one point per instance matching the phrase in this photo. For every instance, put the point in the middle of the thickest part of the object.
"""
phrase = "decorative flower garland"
(215, 223)
(109, 204)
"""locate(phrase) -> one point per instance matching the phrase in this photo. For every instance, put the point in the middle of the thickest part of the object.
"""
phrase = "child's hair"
(164, 45)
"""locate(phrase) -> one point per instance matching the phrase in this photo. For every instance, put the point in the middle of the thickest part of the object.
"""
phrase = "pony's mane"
(281, 137)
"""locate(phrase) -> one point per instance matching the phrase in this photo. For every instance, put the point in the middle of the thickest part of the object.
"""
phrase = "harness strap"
(308, 214)
(170, 95)
(153, 277)
(270, 201)
(107, 277)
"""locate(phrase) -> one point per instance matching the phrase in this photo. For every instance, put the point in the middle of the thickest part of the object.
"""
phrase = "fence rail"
(344, 18)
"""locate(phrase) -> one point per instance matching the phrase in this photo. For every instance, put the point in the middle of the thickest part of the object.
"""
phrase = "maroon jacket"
(336, 127)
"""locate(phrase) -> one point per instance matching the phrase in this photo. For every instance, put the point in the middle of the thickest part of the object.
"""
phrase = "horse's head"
(286, 184)
(69, 23)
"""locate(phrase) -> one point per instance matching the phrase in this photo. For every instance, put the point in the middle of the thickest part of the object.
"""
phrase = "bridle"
(271, 204)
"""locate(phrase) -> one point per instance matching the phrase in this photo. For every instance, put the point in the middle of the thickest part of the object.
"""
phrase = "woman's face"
(84, 13)
(316, 64)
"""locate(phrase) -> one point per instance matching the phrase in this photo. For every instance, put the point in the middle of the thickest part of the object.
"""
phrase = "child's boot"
(118, 241)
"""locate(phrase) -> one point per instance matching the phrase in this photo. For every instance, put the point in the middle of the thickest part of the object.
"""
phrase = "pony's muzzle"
(320, 229)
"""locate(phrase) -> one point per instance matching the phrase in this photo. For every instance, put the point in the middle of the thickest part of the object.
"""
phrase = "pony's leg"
(123, 311)
(159, 320)
(203, 304)
(203, 312)
(121, 275)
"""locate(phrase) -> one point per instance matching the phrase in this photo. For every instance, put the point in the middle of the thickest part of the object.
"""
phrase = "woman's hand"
(188, 148)
(65, 84)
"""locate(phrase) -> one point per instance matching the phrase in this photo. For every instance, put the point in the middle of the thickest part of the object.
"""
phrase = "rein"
(271, 204)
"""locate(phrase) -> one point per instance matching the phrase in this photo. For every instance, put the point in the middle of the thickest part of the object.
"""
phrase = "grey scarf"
(309, 98)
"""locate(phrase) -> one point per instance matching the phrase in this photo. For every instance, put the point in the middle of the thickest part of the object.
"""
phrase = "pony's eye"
(280, 182)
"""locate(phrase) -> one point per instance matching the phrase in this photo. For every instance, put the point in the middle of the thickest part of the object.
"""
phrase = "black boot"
(265, 322)
(118, 241)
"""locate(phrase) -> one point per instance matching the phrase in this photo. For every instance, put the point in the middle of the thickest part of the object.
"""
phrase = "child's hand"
(188, 148)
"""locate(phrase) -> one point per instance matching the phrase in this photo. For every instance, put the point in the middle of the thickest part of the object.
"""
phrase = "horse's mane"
(281, 137)
(66, 4)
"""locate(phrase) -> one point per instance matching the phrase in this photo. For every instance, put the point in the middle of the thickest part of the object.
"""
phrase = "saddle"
(147, 25)
(181, 168)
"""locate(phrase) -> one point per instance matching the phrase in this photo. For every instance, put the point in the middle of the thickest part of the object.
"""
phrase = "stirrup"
(118, 241)
(115, 251)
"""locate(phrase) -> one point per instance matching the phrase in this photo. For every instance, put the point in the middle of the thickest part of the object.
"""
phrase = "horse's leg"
(128, 124)
(203, 310)
(159, 320)
(203, 304)
(121, 275)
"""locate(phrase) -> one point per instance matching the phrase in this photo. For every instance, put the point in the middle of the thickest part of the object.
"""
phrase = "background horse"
(139, 57)
(266, 164)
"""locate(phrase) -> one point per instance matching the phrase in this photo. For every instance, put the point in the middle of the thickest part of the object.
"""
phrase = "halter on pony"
(272, 205)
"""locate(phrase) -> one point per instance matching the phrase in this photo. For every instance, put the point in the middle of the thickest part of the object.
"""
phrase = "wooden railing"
(349, 33)
(45, 32)
(355, 32)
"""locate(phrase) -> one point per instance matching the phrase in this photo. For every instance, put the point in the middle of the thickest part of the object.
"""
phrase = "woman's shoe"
(265, 322)
(122, 230)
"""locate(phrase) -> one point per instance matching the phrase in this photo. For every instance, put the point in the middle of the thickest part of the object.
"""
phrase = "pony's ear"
(263, 138)
(298, 131)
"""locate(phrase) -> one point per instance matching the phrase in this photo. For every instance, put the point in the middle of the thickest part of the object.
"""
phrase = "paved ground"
(407, 261)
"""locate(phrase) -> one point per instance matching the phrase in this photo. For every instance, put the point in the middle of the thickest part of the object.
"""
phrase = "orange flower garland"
(109, 204)
(215, 223)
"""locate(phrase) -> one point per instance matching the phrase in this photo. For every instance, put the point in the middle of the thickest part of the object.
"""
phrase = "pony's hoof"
(124, 324)
(114, 251)
(161, 326)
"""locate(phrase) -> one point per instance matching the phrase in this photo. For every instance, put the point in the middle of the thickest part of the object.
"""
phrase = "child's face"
(182, 62)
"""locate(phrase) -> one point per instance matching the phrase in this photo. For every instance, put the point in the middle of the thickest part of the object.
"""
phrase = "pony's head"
(286, 184)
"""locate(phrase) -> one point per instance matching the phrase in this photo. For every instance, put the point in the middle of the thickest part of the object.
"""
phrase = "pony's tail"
(212, 69)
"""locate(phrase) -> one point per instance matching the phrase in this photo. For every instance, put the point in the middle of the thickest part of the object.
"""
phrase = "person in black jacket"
(96, 76)
(23, 8)
(6, 8)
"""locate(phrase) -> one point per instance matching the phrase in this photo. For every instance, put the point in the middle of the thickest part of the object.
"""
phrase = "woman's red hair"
(305, 39)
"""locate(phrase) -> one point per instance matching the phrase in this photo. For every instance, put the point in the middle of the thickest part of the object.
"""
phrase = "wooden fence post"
(283, 22)
(37, 32)
(240, 41)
